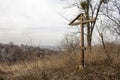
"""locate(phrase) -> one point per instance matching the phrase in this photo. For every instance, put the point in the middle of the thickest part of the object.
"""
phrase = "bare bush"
(70, 43)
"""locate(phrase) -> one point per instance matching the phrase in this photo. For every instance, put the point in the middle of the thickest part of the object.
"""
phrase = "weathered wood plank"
(83, 22)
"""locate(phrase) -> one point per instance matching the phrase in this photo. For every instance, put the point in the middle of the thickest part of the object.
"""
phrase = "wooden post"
(82, 41)
(81, 22)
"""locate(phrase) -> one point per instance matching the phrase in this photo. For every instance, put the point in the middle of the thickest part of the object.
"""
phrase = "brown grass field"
(63, 66)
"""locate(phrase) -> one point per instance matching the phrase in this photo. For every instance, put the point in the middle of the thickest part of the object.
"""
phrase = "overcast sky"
(36, 21)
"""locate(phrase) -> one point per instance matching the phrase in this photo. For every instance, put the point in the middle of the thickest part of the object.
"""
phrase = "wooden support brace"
(83, 22)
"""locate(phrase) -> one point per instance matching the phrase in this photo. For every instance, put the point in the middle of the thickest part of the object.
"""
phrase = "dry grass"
(63, 65)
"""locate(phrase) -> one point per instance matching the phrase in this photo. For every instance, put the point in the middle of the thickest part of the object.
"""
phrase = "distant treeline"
(11, 53)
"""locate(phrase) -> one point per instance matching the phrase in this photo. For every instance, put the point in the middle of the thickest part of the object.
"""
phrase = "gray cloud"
(20, 19)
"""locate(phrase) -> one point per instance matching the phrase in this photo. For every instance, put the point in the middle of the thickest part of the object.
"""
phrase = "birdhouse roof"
(75, 18)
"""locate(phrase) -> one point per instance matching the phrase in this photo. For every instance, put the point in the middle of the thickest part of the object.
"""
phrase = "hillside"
(64, 66)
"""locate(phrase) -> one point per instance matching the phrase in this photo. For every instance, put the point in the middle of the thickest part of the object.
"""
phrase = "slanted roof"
(75, 18)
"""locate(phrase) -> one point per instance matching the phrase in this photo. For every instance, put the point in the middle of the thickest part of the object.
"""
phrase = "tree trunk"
(109, 58)
(91, 28)
(88, 28)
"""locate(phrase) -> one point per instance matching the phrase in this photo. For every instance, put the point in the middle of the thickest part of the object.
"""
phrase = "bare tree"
(101, 33)
(70, 43)
(91, 10)
(112, 12)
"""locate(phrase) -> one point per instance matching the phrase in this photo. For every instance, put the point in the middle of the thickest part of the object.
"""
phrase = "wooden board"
(83, 22)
